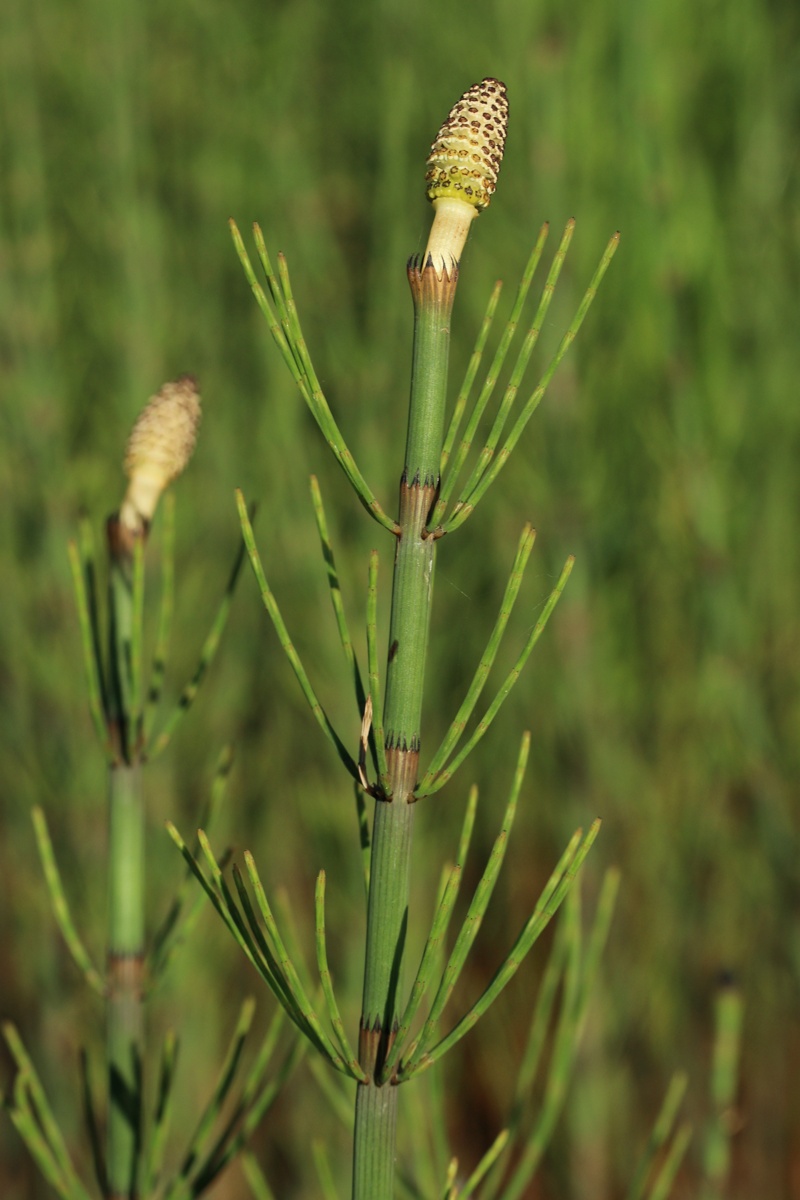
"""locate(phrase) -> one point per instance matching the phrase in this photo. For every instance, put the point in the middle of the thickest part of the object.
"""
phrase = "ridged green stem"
(126, 891)
(412, 590)
(125, 1029)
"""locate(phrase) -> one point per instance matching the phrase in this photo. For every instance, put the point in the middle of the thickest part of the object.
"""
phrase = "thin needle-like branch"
(485, 1165)
(427, 965)
(137, 646)
(271, 606)
(327, 984)
(162, 1117)
(662, 1187)
(91, 652)
(374, 674)
(523, 358)
(468, 503)
(255, 1178)
(165, 613)
(659, 1134)
(249, 1112)
(469, 379)
(476, 910)
(336, 594)
(551, 898)
(323, 1168)
(512, 677)
(60, 906)
(292, 978)
(485, 395)
(225, 1079)
(286, 332)
(459, 722)
(92, 1124)
(181, 915)
(223, 904)
(450, 887)
(207, 654)
(31, 1113)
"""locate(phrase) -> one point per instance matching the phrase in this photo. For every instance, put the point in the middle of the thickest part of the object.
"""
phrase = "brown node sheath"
(125, 975)
(402, 764)
(374, 1047)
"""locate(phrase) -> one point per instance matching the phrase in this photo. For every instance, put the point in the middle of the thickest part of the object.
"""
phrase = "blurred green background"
(664, 697)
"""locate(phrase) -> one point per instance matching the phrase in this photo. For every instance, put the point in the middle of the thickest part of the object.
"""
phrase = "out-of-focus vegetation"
(664, 697)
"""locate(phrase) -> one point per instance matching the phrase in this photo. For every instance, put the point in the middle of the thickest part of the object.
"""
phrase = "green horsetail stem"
(158, 450)
(462, 174)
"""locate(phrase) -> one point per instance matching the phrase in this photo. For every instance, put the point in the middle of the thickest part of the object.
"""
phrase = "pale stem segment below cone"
(158, 450)
(463, 166)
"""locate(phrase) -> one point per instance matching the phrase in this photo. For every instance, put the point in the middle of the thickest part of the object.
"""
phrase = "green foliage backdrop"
(664, 697)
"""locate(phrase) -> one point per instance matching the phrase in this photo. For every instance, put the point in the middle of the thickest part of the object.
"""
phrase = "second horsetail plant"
(397, 1038)
(132, 1164)
(158, 450)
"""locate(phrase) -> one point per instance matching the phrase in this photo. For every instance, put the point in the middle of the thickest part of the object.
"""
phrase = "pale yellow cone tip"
(463, 166)
(159, 448)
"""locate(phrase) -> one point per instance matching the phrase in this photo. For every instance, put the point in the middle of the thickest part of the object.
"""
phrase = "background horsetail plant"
(397, 1040)
(132, 1164)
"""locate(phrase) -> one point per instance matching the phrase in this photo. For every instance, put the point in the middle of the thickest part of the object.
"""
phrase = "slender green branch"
(289, 339)
(207, 655)
(460, 513)
(374, 677)
(334, 1015)
(225, 1079)
(579, 978)
(532, 1056)
(459, 722)
(266, 951)
(550, 900)
(483, 725)
(222, 901)
(338, 1096)
(465, 390)
(255, 1178)
(271, 606)
(487, 391)
(165, 615)
(87, 553)
(336, 594)
(292, 978)
(87, 619)
(33, 1117)
(565, 1045)
(92, 1124)
(662, 1187)
(523, 358)
(60, 906)
(475, 912)
(137, 648)
(485, 1165)
(248, 1114)
(323, 1168)
(728, 1019)
(181, 915)
(162, 1118)
(427, 964)
(364, 837)
(659, 1134)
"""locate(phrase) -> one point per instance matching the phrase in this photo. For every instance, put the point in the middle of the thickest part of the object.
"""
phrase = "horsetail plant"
(132, 1164)
(397, 1039)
